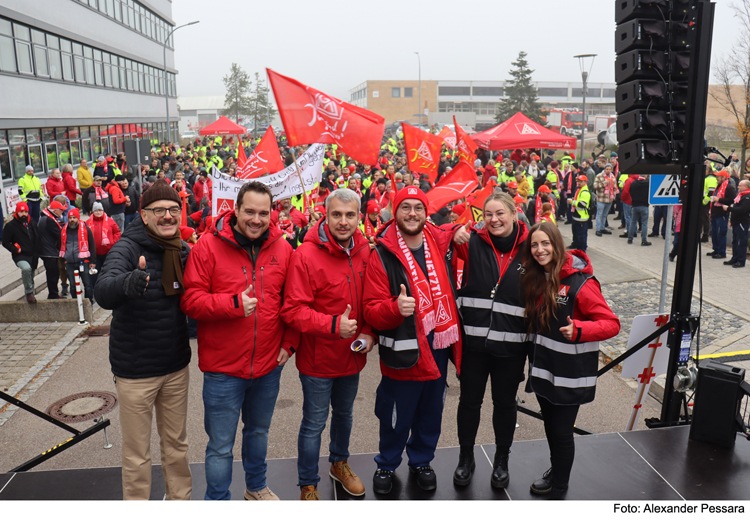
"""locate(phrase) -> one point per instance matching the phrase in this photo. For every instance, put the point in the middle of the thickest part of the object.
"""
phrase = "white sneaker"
(261, 495)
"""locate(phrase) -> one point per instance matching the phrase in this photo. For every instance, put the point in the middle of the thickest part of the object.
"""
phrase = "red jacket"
(71, 188)
(104, 226)
(115, 193)
(591, 313)
(625, 197)
(298, 218)
(200, 190)
(382, 309)
(322, 281)
(55, 187)
(217, 272)
(489, 171)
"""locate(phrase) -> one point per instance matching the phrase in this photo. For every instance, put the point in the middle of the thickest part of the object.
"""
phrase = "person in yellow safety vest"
(567, 159)
(298, 203)
(580, 204)
(709, 187)
(554, 176)
(507, 175)
(30, 191)
(217, 141)
(215, 160)
(621, 180)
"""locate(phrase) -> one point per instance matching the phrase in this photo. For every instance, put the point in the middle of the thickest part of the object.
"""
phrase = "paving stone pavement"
(630, 299)
(31, 352)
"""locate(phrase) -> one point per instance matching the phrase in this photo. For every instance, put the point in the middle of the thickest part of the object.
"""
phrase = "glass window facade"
(135, 16)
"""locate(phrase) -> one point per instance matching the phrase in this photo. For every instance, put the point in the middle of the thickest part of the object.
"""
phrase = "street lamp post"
(419, 93)
(584, 76)
(166, 82)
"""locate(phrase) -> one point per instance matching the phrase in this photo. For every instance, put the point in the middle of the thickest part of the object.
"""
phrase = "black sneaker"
(738, 265)
(653, 234)
(598, 233)
(382, 481)
(719, 256)
(630, 241)
(646, 243)
(624, 236)
(426, 478)
(729, 263)
(711, 254)
(704, 239)
(606, 232)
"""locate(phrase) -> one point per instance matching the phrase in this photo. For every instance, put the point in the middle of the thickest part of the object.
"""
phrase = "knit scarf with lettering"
(83, 241)
(436, 305)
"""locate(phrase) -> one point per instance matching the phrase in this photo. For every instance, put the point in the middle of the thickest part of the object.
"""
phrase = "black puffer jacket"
(149, 335)
(49, 231)
(27, 237)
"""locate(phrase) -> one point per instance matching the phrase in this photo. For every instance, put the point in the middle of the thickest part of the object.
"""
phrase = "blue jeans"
(660, 214)
(627, 210)
(580, 234)
(224, 397)
(34, 210)
(638, 214)
(318, 394)
(602, 210)
(739, 243)
(719, 227)
(129, 218)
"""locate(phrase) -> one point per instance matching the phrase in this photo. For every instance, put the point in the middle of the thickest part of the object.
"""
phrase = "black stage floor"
(660, 464)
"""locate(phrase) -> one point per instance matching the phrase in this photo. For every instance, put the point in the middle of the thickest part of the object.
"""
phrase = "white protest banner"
(284, 184)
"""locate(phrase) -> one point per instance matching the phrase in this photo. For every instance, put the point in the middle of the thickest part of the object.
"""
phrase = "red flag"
(266, 158)
(241, 156)
(310, 116)
(474, 208)
(448, 137)
(464, 144)
(461, 181)
(422, 151)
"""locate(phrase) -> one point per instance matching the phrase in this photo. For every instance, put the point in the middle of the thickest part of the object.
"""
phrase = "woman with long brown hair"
(567, 316)
(495, 344)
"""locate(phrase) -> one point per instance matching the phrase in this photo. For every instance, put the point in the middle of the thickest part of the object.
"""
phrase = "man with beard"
(78, 248)
(149, 350)
(408, 279)
(21, 238)
(323, 301)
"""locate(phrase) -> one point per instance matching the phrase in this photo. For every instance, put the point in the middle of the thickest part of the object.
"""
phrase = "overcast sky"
(335, 45)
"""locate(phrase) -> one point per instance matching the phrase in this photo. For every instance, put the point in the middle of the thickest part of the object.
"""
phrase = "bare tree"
(733, 73)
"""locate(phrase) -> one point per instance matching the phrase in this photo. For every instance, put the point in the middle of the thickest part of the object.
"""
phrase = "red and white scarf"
(740, 195)
(721, 191)
(105, 227)
(287, 226)
(370, 229)
(83, 241)
(538, 212)
(100, 193)
(434, 297)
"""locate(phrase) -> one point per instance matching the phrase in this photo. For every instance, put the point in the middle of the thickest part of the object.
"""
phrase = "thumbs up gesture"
(136, 282)
(462, 234)
(347, 327)
(249, 303)
(569, 330)
(406, 304)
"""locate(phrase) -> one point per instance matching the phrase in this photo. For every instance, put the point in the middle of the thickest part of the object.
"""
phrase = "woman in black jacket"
(495, 344)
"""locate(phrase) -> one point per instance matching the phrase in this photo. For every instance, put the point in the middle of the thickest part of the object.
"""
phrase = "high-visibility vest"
(27, 184)
(709, 186)
(581, 203)
(621, 180)
(298, 203)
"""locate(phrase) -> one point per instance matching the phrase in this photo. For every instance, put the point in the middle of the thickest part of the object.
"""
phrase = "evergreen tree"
(261, 109)
(237, 100)
(520, 94)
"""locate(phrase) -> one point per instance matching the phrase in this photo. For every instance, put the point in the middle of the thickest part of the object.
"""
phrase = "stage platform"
(661, 464)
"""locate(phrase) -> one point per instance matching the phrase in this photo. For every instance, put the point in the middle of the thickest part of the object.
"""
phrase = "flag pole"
(298, 173)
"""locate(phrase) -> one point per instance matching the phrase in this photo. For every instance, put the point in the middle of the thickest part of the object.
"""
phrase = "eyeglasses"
(160, 212)
(406, 208)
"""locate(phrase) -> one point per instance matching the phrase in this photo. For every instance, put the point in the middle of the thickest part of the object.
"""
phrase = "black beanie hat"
(160, 190)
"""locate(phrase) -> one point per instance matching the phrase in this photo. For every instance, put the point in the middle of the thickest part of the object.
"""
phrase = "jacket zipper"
(255, 333)
(262, 295)
(494, 293)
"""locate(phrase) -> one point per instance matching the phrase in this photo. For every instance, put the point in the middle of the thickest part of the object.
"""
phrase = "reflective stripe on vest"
(398, 345)
(563, 382)
(566, 348)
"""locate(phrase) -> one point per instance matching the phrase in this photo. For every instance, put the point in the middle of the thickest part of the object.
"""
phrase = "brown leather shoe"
(309, 492)
(30, 298)
(343, 473)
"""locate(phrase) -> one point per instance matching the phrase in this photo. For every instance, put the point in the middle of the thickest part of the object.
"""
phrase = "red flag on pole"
(448, 137)
(266, 158)
(464, 144)
(422, 151)
(475, 208)
(310, 116)
(457, 184)
(241, 156)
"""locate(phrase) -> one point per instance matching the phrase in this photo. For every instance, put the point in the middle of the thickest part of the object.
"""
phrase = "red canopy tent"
(519, 132)
(221, 126)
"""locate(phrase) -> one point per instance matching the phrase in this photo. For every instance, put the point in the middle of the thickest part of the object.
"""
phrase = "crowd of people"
(324, 280)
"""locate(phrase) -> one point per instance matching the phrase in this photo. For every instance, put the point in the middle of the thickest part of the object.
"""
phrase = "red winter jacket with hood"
(217, 272)
(381, 308)
(323, 279)
(593, 319)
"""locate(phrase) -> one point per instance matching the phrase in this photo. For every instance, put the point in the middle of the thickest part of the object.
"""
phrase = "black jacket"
(740, 212)
(639, 193)
(149, 335)
(135, 200)
(27, 237)
(729, 193)
(49, 231)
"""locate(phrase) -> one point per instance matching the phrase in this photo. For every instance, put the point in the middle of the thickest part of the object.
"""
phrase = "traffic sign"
(664, 190)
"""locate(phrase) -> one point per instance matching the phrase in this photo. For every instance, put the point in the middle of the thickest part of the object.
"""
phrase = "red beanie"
(186, 232)
(518, 199)
(410, 192)
(74, 213)
(459, 208)
(372, 207)
(21, 206)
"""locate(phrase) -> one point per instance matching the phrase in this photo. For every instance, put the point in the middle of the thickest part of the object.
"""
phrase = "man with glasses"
(149, 350)
(408, 279)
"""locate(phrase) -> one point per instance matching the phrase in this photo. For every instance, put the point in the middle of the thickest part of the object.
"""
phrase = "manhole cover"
(82, 406)
(97, 331)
